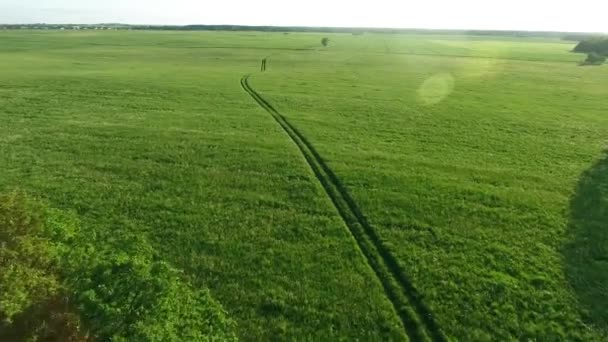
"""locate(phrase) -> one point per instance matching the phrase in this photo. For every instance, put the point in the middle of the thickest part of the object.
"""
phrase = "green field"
(386, 187)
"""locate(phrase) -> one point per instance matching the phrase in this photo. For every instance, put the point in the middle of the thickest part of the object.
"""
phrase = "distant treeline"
(578, 37)
(353, 30)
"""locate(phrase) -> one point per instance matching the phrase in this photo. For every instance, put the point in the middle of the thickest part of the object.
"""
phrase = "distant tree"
(324, 41)
(594, 59)
(597, 45)
(596, 49)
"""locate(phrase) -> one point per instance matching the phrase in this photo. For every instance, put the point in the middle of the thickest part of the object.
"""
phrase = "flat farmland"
(385, 187)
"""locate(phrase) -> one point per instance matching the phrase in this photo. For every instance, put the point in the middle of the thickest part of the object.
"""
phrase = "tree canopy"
(594, 59)
(56, 285)
(596, 49)
(596, 45)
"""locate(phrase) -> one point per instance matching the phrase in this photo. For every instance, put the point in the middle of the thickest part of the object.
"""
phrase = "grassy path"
(417, 320)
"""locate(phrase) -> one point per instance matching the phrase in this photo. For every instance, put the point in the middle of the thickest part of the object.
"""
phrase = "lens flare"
(436, 88)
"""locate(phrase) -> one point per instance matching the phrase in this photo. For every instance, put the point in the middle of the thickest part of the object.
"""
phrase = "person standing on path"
(263, 67)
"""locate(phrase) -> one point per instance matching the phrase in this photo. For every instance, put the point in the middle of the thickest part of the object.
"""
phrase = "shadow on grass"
(586, 255)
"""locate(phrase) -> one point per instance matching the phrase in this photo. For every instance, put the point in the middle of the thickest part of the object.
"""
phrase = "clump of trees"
(594, 59)
(596, 49)
(325, 41)
(33, 305)
(597, 45)
(130, 294)
(57, 285)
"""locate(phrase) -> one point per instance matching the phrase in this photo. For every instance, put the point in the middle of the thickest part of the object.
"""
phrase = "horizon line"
(312, 27)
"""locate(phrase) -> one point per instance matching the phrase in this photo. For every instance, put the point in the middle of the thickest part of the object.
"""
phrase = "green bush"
(33, 305)
(598, 45)
(52, 279)
(594, 59)
(27, 257)
(133, 296)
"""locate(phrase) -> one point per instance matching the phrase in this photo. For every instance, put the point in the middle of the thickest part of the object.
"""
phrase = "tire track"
(415, 316)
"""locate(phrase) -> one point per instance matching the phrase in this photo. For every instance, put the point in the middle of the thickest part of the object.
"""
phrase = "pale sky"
(549, 15)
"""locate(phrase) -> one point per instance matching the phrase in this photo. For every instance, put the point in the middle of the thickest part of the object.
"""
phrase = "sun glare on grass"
(436, 88)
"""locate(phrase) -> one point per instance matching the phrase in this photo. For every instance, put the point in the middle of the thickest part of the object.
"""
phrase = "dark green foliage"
(594, 58)
(27, 257)
(33, 305)
(51, 319)
(51, 277)
(593, 45)
(325, 41)
(596, 49)
(128, 294)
